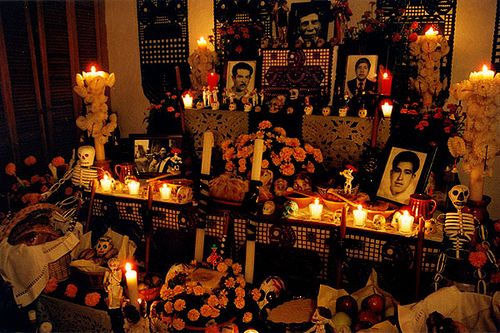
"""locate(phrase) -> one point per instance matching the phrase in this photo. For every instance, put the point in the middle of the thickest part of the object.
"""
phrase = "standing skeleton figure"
(460, 229)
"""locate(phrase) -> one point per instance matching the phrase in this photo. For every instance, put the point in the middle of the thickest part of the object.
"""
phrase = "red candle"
(212, 80)
(385, 83)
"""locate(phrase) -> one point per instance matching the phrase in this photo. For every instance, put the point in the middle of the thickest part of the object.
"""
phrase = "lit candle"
(88, 76)
(187, 99)
(385, 83)
(251, 330)
(131, 277)
(202, 43)
(485, 74)
(359, 216)
(406, 223)
(431, 33)
(258, 149)
(165, 192)
(206, 157)
(315, 209)
(387, 109)
(133, 187)
(106, 183)
(212, 80)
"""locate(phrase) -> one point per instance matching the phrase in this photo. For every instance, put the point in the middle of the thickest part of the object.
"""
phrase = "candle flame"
(360, 207)
(139, 300)
(385, 75)
(105, 177)
(485, 68)
(128, 267)
(316, 201)
(92, 69)
(431, 32)
(405, 213)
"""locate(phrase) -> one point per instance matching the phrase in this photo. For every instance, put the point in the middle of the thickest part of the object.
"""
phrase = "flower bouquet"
(283, 157)
(195, 297)
(167, 112)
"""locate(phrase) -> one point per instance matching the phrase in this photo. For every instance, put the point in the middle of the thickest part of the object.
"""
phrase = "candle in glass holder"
(187, 99)
(359, 216)
(165, 192)
(106, 183)
(406, 223)
(315, 209)
(131, 277)
(202, 43)
(387, 109)
(133, 187)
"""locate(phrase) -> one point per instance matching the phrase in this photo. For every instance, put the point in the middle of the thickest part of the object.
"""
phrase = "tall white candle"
(359, 216)
(258, 150)
(208, 143)
(131, 277)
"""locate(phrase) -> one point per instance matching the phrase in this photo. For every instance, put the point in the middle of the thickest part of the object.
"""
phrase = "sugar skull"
(215, 105)
(247, 107)
(184, 194)
(429, 226)
(86, 155)
(103, 246)
(290, 208)
(280, 186)
(271, 290)
(294, 94)
(200, 105)
(459, 195)
(269, 207)
(308, 110)
(378, 221)
(232, 106)
(362, 113)
(326, 111)
(343, 112)
(258, 108)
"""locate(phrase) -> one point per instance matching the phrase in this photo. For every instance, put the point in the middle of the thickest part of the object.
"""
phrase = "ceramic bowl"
(302, 199)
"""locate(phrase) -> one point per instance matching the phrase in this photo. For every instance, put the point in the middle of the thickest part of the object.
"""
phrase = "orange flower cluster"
(188, 304)
(282, 154)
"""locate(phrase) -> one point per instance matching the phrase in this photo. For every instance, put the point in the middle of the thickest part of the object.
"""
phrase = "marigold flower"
(239, 292)
(178, 290)
(287, 169)
(168, 307)
(92, 299)
(223, 300)
(247, 317)
(31, 198)
(166, 292)
(240, 279)
(30, 160)
(413, 37)
(198, 290)
(237, 268)
(206, 310)
(213, 301)
(239, 302)
(35, 179)
(179, 305)
(178, 324)
(51, 285)
(255, 294)
(265, 124)
(265, 164)
(10, 169)
(478, 259)
(230, 282)
(193, 315)
(214, 313)
(58, 161)
(71, 290)
(299, 154)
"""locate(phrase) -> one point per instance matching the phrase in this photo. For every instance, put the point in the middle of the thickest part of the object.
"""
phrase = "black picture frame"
(229, 77)
(146, 154)
(350, 70)
(301, 10)
(409, 181)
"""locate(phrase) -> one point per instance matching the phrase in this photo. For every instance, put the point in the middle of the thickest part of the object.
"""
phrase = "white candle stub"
(165, 192)
(359, 216)
(316, 209)
(406, 223)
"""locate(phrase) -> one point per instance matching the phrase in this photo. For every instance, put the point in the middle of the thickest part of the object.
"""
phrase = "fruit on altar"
(374, 302)
(348, 305)
(341, 322)
(366, 319)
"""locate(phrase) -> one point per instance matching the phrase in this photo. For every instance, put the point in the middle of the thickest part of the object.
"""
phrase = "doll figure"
(112, 283)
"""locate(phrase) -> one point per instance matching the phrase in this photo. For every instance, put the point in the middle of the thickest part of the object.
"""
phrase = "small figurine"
(347, 173)
(112, 283)
(215, 93)
(214, 258)
(84, 171)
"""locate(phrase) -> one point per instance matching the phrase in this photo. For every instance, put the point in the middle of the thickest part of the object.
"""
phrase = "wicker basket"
(31, 226)
(92, 280)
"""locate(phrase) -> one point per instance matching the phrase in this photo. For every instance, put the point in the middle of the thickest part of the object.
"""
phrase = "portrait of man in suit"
(361, 74)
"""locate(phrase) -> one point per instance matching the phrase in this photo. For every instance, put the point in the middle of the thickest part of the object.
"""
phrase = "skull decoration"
(175, 270)
(200, 105)
(215, 105)
(184, 194)
(290, 208)
(294, 94)
(103, 246)
(290, 110)
(362, 113)
(258, 108)
(326, 111)
(232, 106)
(459, 195)
(271, 289)
(308, 110)
(269, 207)
(280, 186)
(378, 221)
(343, 112)
(429, 226)
(86, 155)
(247, 107)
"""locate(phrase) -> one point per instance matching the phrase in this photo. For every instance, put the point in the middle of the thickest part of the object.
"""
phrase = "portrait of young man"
(361, 75)
(240, 78)
(401, 175)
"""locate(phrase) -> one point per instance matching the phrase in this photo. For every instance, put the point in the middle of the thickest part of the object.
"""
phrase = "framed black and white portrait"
(406, 172)
(155, 155)
(240, 78)
(309, 24)
(361, 74)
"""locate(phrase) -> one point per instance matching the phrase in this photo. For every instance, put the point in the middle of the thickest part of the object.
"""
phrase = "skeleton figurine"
(112, 281)
(347, 173)
(460, 229)
(84, 173)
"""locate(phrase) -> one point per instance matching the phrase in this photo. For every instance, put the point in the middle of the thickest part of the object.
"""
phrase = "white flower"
(456, 146)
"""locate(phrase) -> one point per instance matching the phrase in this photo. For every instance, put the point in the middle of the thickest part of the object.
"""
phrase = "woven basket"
(92, 280)
(29, 226)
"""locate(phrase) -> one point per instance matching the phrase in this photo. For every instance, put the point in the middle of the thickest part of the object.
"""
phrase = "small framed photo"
(156, 155)
(240, 78)
(406, 172)
(361, 74)
(309, 24)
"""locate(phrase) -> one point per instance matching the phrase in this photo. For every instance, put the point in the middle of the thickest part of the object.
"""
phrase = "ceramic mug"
(125, 170)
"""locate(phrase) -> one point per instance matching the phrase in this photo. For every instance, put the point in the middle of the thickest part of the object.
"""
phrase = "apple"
(367, 318)
(347, 304)
(374, 302)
